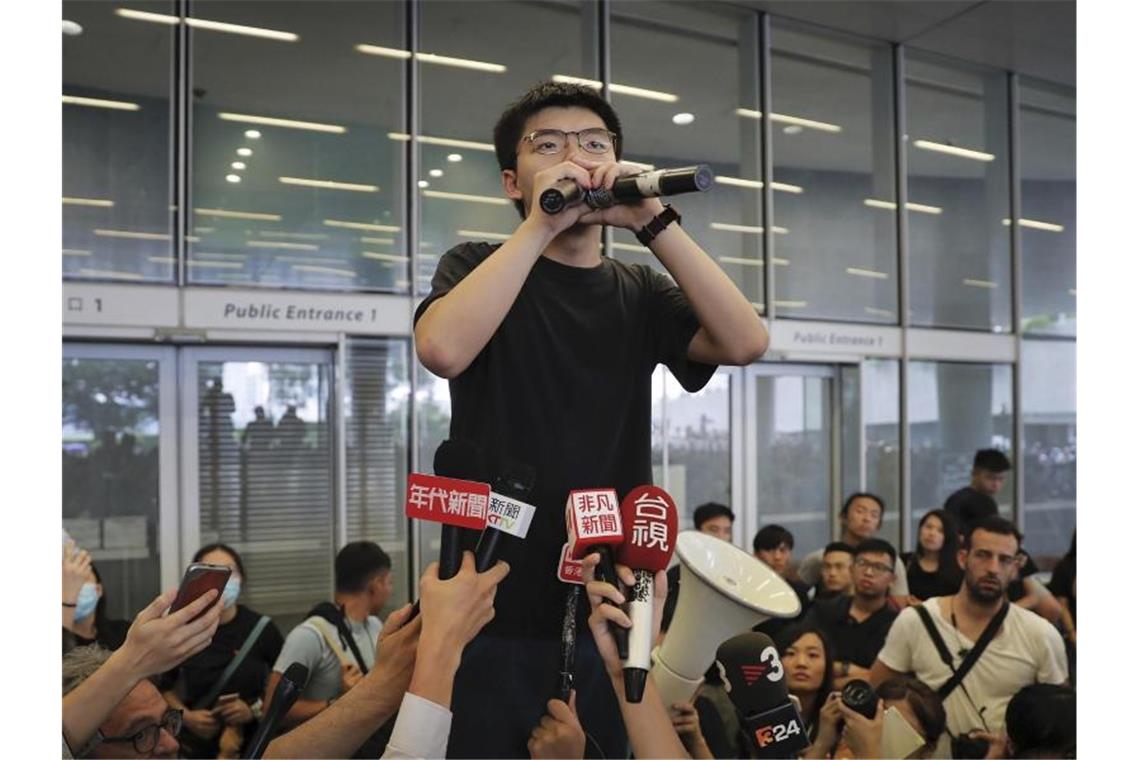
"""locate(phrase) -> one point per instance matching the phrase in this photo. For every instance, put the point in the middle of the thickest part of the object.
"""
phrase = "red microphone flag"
(593, 517)
(452, 501)
(649, 518)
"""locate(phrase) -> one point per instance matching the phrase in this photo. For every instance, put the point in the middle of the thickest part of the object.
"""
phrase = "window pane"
(958, 185)
(700, 456)
(833, 148)
(871, 398)
(702, 61)
(313, 198)
(1050, 444)
(463, 199)
(433, 419)
(110, 474)
(1048, 225)
(117, 213)
(376, 443)
(953, 410)
(265, 478)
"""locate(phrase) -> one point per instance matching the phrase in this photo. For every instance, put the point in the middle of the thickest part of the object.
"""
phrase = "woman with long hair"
(807, 656)
(932, 570)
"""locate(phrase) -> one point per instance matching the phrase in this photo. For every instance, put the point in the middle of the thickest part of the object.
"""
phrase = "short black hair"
(708, 511)
(992, 524)
(877, 546)
(838, 546)
(771, 536)
(357, 563)
(991, 460)
(864, 495)
(509, 128)
(1041, 721)
(219, 547)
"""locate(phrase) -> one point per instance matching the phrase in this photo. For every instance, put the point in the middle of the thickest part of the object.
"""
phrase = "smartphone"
(199, 579)
(899, 737)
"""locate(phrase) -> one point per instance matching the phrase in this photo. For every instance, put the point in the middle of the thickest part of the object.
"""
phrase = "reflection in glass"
(833, 154)
(110, 474)
(955, 409)
(296, 180)
(433, 420)
(1048, 224)
(958, 170)
(117, 213)
(1050, 408)
(700, 455)
(871, 398)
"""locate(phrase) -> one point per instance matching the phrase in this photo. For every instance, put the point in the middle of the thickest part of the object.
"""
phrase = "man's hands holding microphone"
(589, 174)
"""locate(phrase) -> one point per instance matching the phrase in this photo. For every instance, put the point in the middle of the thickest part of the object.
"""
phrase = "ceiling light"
(239, 165)
(1034, 224)
(282, 244)
(253, 134)
(272, 121)
(295, 235)
(743, 262)
(757, 184)
(383, 256)
(436, 172)
(101, 203)
(378, 241)
(482, 235)
(244, 152)
(454, 158)
(442, 60)
(227, 214)
(620, 89)
(725, 227)
(215, 26)
(325, 184)
(990, 284)
(360, 226)
(465, 197)
(953, 150)
(681, 119)
(76, 252)
(446, 141)
(116, 105)
(72, 29)
(233, 178)
(790, 304)
(204, 255)
(216, 264)
(324, 270)
(422, 183)
(822, 126)
(793, 129)
(132, 235)
(110, 274)
(892, 206)
(871, 273)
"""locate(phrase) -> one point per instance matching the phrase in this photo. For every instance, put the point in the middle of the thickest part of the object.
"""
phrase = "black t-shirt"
(854, 642)
(195, 676)
(564, 385)
(1062, 582)
(923, 585)
(109, 634)
(965, 506)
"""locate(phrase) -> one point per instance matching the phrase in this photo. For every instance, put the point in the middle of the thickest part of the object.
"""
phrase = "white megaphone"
(724, 591)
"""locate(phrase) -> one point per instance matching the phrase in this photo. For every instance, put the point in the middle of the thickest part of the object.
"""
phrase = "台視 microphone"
(629, 189)
(750, 665)
(593, 526)
(649, 522)
(508, 513)
(284, 696)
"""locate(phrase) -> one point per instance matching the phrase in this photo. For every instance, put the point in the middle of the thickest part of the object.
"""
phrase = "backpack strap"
(335, 615)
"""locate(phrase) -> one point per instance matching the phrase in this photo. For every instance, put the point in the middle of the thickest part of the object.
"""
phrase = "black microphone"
(284, 696)
(515, 480)
(754, 679)
(630, 189)
(463, 460)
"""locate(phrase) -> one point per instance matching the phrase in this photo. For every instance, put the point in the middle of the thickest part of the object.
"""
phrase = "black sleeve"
(1061, 583)
(674, 325)
(452, 268)
(713, 729)
(270, 643)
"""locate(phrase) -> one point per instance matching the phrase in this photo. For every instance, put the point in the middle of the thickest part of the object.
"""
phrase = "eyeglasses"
(553, 142)
(876, 568)
(146, 739)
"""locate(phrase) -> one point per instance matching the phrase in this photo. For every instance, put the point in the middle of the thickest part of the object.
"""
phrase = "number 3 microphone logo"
(775, 667)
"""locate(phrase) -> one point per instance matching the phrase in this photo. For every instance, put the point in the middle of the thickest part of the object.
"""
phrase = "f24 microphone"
(630, 189)
(593, 526)
(284, 696)
(649, 522)
(754, 679)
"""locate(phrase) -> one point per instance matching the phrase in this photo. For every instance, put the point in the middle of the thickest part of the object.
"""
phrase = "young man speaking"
(550, 348)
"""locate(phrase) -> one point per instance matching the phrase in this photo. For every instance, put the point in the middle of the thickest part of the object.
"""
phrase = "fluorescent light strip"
(878, 312)
(293, 235)
(193, 239)
(76, 252)
(481, 235)
(743, 262)
(892, 206)
(638, 165)
(240, 276)
(130, 234)
(325, 184)
(204, 229)
(378, 241)
(621, 89)
(449, 142)
(281, 244)
(442, 60)
(309, 259)
(238, 256)
(383, 256)
(756, 184)
(115, 105)
(989, 284)
(439, 194)
(198, 264)
(952, 150)
(272, 121)
(324, 270)
(790, 304)
(88, 202)
(871, 273)
(214, 26)
(725, 227)
(227, 214)
(360, 226)
(822, 126)
(110, 274)
(1034, 224)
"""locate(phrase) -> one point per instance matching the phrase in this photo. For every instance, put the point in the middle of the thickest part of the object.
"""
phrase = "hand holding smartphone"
(199, 579)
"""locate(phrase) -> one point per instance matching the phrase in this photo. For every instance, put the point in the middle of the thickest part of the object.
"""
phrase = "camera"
(861, 697)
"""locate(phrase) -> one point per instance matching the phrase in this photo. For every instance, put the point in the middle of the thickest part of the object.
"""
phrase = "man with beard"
(1026, 649)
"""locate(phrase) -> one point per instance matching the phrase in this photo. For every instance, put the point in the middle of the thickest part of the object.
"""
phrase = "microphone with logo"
(463, 461)
(284, 697)
(649, 522)
(593, 526)
(508, 513)
(750, 666)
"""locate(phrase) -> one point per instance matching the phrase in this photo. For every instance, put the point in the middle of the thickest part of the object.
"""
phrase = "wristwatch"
(657, 225)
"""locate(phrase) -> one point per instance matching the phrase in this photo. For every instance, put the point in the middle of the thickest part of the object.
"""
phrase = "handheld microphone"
(508, 513)
(284, 696)
(650, 184)
(593, 526)
(649, 522)
(750, 665)
(462, 460)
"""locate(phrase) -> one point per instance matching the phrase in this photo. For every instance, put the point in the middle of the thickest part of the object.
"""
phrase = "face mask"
(86, 601)
(231, 591)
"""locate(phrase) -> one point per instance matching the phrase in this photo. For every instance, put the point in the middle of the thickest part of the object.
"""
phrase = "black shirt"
(923, 585)
(195, 676)
(564, 385)
(965, 506)
(854, 642)
(1063, 581)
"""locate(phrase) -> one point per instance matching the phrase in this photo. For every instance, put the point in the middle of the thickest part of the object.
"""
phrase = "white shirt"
(1026, 650)
(421, 729)
(812, 565)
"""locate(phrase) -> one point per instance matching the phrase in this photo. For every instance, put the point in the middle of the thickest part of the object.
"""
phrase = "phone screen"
(198, 580)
